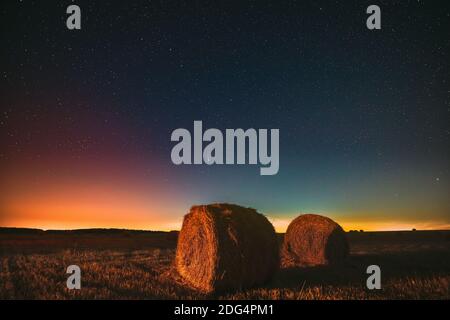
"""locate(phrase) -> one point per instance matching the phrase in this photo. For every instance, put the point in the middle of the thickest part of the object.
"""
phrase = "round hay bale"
(311, 240)
(223, 247)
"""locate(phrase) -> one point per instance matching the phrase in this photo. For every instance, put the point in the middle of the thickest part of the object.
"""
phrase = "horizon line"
(177, 230)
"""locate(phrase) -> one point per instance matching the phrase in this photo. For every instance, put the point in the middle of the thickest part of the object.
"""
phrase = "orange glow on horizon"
(149, 222)
(76, 197)
(281, 224)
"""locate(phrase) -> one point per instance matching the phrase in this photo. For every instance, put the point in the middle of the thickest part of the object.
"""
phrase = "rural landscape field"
(124, 264)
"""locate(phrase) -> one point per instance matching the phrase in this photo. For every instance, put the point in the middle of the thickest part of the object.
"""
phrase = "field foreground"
(122, 264)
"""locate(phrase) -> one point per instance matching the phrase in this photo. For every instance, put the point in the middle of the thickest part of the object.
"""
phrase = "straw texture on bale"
(224, 247)
(313, 240)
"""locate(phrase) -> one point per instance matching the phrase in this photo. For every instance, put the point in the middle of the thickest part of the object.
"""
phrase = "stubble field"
(118, 264)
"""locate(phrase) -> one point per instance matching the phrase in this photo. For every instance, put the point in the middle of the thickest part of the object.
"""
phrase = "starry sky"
(86, 115)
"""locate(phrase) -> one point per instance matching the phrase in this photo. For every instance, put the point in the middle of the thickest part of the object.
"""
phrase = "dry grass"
(414, 266)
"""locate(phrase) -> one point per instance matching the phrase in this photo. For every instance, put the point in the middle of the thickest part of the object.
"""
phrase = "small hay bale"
(311, 240)
(225, 247)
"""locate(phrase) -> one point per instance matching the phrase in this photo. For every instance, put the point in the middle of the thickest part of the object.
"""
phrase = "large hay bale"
(226, 247)
(311, 240)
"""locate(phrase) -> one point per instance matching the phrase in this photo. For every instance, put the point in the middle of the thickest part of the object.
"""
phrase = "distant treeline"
(128, 232)
(101, 231)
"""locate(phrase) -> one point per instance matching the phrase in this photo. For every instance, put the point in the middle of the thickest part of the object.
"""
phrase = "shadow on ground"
(353, 271)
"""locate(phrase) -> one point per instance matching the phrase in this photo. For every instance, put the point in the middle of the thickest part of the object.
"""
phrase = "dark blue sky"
(363, 115)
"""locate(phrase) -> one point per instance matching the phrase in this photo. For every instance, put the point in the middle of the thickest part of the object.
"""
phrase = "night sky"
(86, 115)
